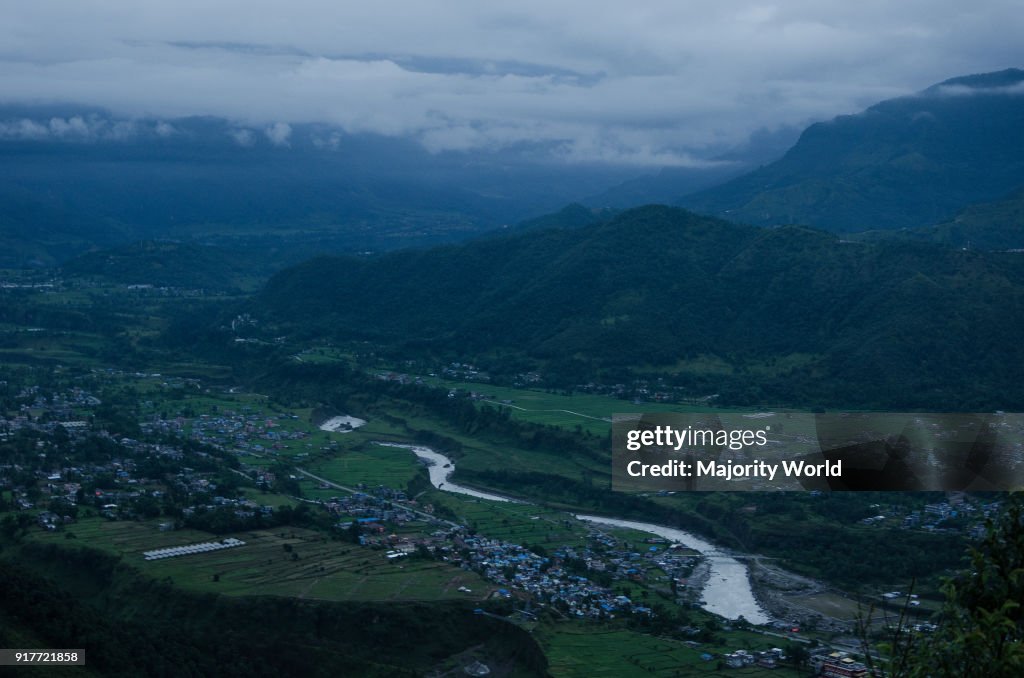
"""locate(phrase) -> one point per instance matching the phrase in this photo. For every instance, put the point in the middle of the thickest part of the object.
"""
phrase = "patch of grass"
(371, 464)
(518, 523)
(587, 650)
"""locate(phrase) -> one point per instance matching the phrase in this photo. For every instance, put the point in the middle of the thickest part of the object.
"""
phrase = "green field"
(476, 453)
(592, 413)
(266, 499)
(324, 569)
(371, 464)
(588, 651)
(518, 523)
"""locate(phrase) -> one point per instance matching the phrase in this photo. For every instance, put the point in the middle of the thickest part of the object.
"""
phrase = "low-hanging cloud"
(165, 130)
(279, 133)
(965, 91)
(73, 128)
(243, 137)
(662, 83)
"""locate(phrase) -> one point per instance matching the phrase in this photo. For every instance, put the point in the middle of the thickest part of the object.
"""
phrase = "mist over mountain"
(669, 183)
(907, 162)
(793, 314)
(77, 178)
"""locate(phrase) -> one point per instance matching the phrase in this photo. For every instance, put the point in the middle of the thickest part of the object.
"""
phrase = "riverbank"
(728, 584)
(800, 601)
(696, 582)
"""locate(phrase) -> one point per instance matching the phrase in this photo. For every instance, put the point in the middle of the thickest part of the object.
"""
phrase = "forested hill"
(996, 225)
(907, 162)
(170, 264)
(813, 317)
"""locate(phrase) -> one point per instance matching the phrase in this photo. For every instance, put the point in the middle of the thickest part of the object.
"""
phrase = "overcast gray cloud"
(663, 83)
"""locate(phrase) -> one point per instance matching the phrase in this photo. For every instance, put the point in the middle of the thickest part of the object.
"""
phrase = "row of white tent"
(192, 548)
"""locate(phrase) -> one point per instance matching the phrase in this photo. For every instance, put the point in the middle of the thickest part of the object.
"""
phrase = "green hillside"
(995, 225)
(886, 324)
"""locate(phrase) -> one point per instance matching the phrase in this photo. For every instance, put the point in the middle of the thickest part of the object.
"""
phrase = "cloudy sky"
(664, 82)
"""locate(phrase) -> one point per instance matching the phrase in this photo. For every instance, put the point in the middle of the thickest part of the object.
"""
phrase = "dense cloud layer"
(667, 83)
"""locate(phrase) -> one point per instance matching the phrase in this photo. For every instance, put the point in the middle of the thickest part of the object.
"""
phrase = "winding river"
(440, 467)
(727, 592)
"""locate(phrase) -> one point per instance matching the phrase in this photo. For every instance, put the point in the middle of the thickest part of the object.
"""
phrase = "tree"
(982, 621)
(797, 655)
(352, 532)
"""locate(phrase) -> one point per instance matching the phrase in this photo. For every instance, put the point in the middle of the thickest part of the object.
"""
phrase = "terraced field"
(314, 567)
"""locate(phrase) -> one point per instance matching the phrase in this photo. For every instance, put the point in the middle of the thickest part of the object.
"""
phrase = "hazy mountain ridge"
(908, 162)
(665, 186)
(79, 178)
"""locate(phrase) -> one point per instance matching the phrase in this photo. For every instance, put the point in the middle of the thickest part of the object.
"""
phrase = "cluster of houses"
(958, 514)
(401, 378)
(837, 664)
(244, 431)
(371, 509)
(48, 520)
(640, 390)
(46, 411)
(546, 580)
(767, 659)
(114, 486)
(240, 507)
(58, 405)
(464, 372)
(672, 563)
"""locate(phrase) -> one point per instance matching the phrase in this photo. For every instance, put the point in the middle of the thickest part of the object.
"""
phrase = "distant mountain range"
(76, 179)
(910, 162)
(785, 314)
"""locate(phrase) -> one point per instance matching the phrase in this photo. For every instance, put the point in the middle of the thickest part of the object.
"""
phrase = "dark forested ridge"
(908, 162)
(887, 324)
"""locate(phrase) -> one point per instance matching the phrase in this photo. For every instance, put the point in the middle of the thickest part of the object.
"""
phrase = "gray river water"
(727, 591)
